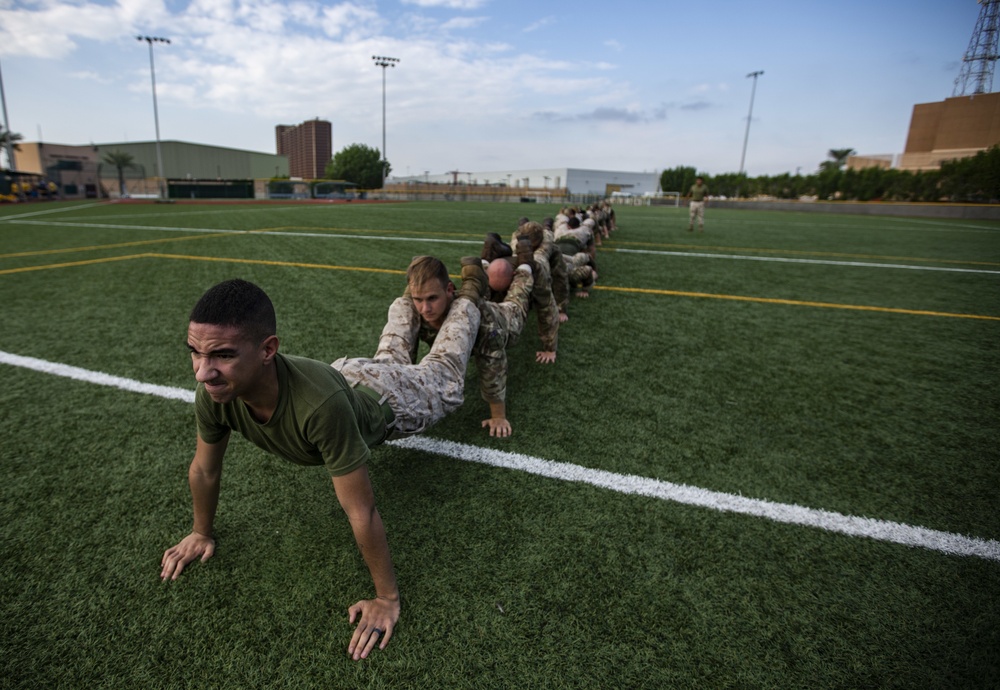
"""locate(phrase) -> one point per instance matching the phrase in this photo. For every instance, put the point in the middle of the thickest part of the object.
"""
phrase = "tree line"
(975, 179)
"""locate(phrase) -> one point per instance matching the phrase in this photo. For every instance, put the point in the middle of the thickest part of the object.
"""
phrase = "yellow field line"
(798, 303)
(98, 247)
(89, 262)
(841, 255)
(391, 271)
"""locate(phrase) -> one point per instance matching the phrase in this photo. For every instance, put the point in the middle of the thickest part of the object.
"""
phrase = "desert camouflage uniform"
(500, 325)
(551, 292)
(420, 394)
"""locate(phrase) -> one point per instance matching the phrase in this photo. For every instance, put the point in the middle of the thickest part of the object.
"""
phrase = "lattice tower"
(976, 75)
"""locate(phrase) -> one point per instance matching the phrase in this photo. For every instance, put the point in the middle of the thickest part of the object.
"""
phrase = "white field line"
(880, 530)
(737, 257)
(277, 233)
(823, 262)
(97, 377)
(50, 210)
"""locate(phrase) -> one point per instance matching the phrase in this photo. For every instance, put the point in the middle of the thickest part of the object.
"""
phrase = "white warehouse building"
(573, 180)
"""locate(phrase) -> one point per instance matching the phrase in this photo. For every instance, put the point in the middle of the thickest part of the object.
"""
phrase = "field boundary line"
(263, 231)
(71, 264)
(51, 210)
(610, 288)
(797, 303)
(844, 255)
(879, 530)
(791, 260)
(99, 247)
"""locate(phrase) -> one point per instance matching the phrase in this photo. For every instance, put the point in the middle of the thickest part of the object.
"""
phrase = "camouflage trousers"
(579, 272)
(421, 394)
(696, 211)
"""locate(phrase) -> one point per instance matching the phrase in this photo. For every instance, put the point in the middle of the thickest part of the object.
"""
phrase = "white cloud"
(460, 23)
(448, 4)
(540, 24)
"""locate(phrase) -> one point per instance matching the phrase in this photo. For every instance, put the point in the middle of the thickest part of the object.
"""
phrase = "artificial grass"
(511, 580)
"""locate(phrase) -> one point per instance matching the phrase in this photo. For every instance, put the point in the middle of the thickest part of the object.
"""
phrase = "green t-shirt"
(319, 420)
(699, 192)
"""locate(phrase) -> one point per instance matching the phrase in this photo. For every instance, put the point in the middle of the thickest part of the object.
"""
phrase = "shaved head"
(500, 273)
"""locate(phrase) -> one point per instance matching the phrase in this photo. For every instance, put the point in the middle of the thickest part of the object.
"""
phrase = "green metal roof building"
(183, 160)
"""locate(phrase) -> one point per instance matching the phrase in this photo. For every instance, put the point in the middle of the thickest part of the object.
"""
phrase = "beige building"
(73, 168)
(954, 128)
(81, 172)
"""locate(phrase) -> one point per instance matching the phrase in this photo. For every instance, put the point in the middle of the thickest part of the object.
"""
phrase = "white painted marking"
(880, 530)
(277, 233)
(96, 377)
(50, 210)
(786, 260)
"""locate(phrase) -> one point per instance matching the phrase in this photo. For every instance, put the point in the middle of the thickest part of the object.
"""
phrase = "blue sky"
(489, 84)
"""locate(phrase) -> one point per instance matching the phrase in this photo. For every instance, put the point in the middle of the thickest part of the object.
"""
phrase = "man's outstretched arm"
(204, 478)
(378, 616)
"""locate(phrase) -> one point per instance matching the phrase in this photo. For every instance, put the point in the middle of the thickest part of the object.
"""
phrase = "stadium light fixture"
(746, 137)
(383, 62)
(156, 116)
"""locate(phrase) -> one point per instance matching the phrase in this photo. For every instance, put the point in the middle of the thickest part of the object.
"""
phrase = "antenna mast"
(976, 75)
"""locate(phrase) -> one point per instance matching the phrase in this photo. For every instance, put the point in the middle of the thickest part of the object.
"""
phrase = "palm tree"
(12, 138)
(121, 160)
(839, 157)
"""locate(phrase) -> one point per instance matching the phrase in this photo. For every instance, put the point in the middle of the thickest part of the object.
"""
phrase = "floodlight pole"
(6, 125)
(156, 116)
(746, 137)
(383, 62)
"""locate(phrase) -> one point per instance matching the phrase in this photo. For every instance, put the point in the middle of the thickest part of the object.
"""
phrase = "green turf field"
(767, 456)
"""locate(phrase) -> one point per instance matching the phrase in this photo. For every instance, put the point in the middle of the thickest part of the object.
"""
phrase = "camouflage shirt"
(500, 324)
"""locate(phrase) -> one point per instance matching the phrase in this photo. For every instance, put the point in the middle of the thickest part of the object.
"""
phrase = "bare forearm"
(498, 410)
(374, 548)
(205, 499)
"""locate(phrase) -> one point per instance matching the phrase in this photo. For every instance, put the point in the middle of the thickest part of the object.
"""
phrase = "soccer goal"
(663, 198)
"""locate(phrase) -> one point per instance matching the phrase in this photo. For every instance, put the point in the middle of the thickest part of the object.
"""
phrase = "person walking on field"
(699, 197)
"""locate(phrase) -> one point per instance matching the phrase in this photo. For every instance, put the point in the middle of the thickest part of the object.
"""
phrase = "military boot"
(475, 284)
(524, 253)
(495, 248)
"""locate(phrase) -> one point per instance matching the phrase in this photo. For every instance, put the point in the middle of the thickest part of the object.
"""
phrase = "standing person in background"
(699, 197)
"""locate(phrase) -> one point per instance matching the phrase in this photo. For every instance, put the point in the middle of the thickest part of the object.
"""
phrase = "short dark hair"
(574, 222)
(237, 303)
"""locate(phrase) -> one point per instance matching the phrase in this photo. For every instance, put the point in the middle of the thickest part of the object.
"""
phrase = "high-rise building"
(309, 147)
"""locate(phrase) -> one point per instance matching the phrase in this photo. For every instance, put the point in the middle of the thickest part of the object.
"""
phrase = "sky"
(487, 85)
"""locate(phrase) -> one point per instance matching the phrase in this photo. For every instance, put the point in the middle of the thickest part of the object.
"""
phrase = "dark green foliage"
(360, 164)
(678, 179)
(975, 179)
(510, 580)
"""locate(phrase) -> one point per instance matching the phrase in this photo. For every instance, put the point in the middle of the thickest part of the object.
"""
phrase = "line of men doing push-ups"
(312, 413)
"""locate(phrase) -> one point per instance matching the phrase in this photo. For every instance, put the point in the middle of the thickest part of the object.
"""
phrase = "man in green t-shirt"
(699, 196)
(308, 413)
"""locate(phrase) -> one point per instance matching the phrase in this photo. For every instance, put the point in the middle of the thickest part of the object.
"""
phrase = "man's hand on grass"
(191, 547)
(377, 619)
